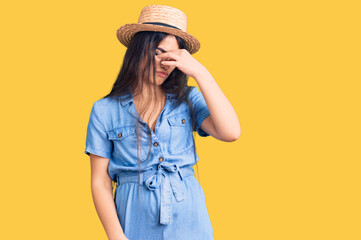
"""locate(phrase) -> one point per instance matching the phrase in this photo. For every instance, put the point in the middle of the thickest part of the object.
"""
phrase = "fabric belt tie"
(166, 177)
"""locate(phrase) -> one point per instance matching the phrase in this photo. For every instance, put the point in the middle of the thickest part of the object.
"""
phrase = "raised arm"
(223, 122)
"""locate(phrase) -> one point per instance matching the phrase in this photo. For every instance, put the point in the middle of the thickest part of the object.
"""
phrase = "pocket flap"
(121, 132)
(178, 120)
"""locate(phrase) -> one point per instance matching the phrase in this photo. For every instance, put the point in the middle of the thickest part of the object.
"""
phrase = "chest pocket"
(125, 144)
(181, 138)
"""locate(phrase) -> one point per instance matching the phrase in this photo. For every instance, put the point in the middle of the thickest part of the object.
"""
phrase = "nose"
(159, 62)
(162, 65)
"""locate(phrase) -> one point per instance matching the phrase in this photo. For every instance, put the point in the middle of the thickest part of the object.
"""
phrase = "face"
(167, 44)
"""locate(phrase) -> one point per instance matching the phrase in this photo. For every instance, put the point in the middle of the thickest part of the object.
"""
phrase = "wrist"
(203, 75)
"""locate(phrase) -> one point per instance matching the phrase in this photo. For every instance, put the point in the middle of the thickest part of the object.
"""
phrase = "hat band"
(161, 24)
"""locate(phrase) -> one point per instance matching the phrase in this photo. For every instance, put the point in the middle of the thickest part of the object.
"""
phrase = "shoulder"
(105, 109)
(191, 91)
(104, 104)
(194, 93)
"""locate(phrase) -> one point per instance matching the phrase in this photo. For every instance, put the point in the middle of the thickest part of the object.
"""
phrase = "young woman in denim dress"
(141, 135)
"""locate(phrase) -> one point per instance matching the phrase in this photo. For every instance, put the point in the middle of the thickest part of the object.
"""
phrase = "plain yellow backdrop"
(291, 69)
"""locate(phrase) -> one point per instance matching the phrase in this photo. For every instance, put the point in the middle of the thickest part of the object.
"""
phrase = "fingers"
(169, 55)
(169, 63)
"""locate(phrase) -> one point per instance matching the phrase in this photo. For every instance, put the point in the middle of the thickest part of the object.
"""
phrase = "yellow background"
(291, 69)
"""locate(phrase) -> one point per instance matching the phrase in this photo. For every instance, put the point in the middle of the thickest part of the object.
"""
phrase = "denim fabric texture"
(172, 202)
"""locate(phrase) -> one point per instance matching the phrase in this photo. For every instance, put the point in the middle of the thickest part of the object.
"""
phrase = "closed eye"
(162, 50)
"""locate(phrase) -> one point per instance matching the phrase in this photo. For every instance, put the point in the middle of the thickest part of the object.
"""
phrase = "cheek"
(157, 61)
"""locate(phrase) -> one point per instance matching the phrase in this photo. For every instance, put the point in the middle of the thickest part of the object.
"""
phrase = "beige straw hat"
(163, 19)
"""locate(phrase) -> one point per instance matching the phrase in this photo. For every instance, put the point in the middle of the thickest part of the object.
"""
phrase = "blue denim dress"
(169, 203)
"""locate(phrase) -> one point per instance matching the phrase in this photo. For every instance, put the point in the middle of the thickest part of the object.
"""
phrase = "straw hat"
(163, 19)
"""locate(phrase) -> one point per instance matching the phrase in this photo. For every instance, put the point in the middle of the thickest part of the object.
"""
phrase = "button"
(120, 135)
(156, 144)
(161, 159)
(183, 120)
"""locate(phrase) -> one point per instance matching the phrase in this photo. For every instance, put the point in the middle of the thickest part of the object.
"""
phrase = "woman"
(140, 135)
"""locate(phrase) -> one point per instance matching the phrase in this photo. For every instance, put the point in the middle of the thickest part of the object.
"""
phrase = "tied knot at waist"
(168, 177)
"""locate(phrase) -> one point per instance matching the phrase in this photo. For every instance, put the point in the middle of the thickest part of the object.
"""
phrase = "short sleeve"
(97, 141)
(200, 108)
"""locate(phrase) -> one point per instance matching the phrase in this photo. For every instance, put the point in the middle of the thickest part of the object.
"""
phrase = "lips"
(162, 74)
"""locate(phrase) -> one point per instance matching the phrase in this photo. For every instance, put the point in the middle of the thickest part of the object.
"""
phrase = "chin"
(160, 81)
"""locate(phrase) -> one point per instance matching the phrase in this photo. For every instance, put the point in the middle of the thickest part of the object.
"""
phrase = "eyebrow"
(162, 49)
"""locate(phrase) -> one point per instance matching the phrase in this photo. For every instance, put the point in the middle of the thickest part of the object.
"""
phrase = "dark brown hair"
(138, 60)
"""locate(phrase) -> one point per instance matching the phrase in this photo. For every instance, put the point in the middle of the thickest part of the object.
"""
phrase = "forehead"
(169, 43)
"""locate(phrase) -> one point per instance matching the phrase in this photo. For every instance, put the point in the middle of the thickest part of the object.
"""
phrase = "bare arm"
(223, 122)
(101, 186)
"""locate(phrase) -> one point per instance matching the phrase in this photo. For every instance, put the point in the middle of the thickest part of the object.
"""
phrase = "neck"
(147, 92)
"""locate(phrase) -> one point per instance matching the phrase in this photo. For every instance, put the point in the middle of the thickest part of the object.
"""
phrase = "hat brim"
(126, 32)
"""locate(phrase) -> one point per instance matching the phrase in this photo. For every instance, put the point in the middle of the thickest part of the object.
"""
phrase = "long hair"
(136, 68)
